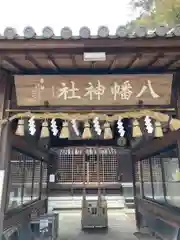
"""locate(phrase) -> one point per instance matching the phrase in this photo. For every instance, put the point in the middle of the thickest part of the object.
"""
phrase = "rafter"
(154, 60)
(113, 62)
(133, 60)
(53, 61)
(13, 63)
(171, 62)
(32, 60)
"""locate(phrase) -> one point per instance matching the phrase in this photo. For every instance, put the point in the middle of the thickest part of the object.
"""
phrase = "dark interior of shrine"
(118, 172)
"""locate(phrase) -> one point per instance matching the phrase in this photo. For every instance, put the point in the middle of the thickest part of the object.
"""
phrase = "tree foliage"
(153, 12)
(143, 5)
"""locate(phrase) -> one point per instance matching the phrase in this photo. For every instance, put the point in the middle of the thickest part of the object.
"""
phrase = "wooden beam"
(154, 60)
(53, 61)
(176, 92)
(133, 60)
(79, 51)
(171, 62)
(6, 91)
(111, 109)
(113, 62)
(156, 145)
(28, 148)
(33, 61)
(93, 142)
(13, 63)
(54, 44)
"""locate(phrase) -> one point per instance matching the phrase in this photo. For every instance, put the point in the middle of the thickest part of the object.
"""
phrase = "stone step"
(68, 202)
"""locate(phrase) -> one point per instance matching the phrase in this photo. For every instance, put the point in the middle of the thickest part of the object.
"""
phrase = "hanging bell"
(64, 131)
(158, 132)
(136, 131)
(107, 131)
(44, 130)
(20, 127)
(87, 131)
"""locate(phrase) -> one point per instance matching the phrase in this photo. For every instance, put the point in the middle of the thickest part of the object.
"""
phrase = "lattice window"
(109, 166)
(138, 171)
(147, 184)
(77, 168)
(146, 170)
(91, 168)
(24, 180)
(157, 178)
(17, 167)
(44, 179)
(156, 169)
(37, 179)
(70, 166)
(28, 178)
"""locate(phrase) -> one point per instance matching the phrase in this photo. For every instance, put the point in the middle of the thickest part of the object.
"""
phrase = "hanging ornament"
(107, 131)
(136, 131)
(177, 175)
(158, 132)
(120, 127)
(121, 141)
(65, 130)
(87, 131)
(97, 127)
(20, 128)
(75, 128)
(148, 124)
(44, 130)
(32, 126)
(54, 128)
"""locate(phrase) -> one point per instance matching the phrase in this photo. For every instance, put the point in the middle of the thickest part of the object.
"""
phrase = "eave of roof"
(85, 33)
(139, 51)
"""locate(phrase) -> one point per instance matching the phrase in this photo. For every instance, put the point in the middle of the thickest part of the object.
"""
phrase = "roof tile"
(85, 33)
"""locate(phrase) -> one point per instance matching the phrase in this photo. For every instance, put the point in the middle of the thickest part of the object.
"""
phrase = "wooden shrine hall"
(66, 99)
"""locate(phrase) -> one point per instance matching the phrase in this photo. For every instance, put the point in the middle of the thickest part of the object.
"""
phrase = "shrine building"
(68, 102)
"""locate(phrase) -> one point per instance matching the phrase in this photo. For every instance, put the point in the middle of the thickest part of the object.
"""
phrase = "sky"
(60, 13)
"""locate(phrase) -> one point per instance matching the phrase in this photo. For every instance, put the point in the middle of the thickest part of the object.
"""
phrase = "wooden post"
(176, 102)
(134, 191)
(6, 88)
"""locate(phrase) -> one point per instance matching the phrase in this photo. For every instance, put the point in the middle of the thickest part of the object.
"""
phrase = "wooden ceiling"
(43, 63)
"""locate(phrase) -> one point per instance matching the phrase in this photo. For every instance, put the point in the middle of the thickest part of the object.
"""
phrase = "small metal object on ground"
(94, 212)
(45, 227)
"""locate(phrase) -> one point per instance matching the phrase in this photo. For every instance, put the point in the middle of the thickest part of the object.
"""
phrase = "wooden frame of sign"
(94, 90)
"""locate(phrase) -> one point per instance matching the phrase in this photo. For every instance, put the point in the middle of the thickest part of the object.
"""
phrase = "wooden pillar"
(133, 164)
(6, 88)
(176, 102)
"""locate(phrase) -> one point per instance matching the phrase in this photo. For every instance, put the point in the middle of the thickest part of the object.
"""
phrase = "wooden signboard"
(93, 90)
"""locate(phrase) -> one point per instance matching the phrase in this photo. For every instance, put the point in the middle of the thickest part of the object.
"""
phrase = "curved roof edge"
(85, 33)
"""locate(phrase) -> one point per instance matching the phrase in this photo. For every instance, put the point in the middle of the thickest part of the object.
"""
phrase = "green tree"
(153, 12)
(143, 5)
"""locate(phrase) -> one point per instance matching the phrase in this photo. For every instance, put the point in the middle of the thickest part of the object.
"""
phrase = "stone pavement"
(121, 226)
